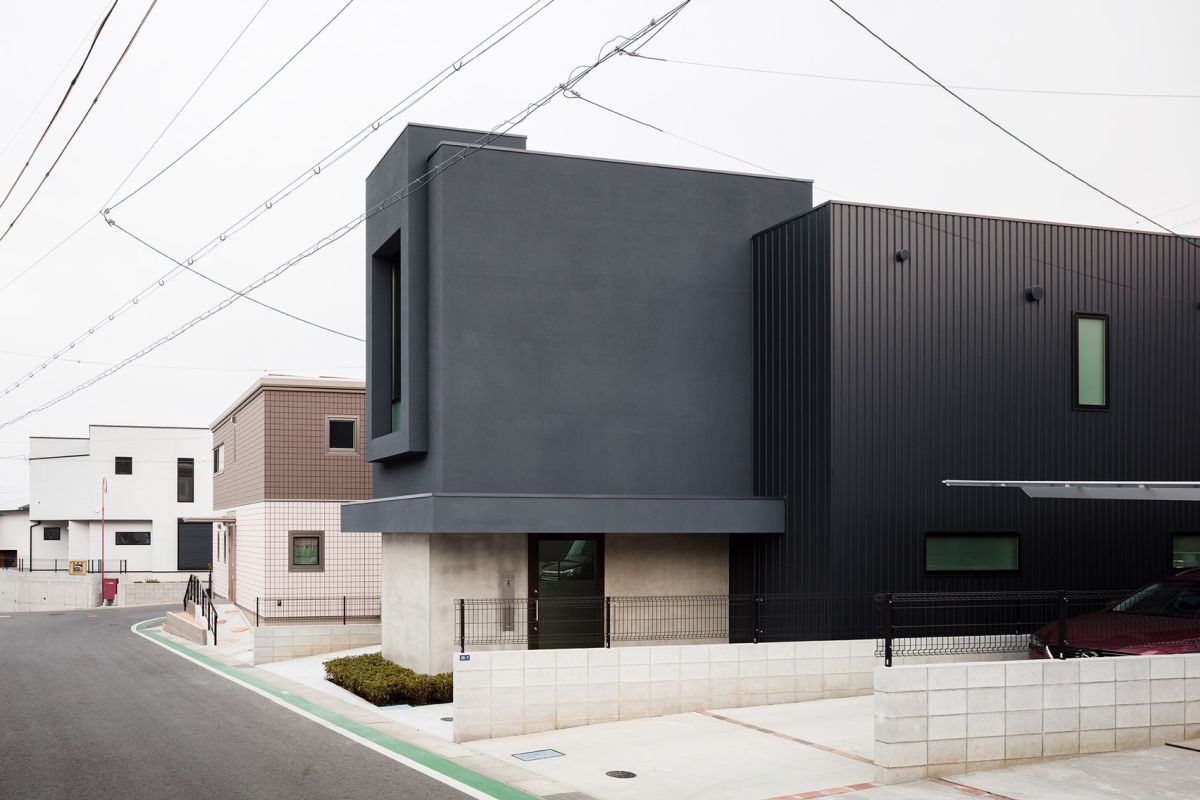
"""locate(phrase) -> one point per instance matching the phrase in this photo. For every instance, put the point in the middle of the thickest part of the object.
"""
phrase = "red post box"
(108, 589)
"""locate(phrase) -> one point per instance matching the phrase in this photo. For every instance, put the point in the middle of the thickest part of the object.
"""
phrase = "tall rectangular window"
(1185, 550)
(950, 553)
(218, 458)
(186, 483)
(397, 347)
(123, 465)
(1091, 361)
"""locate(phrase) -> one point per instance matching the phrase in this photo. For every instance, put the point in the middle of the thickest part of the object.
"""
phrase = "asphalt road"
(88, 709)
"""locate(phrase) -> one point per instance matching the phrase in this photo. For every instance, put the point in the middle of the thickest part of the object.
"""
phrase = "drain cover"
(620, 773)
(536, 755)
(447, 719)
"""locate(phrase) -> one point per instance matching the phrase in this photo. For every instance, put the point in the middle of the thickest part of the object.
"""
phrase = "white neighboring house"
(14, 535)
(158, 479)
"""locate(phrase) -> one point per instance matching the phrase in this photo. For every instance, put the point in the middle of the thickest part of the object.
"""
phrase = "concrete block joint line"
(437, 767)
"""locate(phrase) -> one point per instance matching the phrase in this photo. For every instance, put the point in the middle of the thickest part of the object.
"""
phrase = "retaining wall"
(949, 719)
(47, 591)
(150, 594)
(528, 691)
(283, 642)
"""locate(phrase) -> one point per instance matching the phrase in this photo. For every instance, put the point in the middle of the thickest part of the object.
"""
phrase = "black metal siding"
(939, 368)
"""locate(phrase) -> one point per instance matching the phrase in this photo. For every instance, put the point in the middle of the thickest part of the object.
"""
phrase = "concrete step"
(186, 626)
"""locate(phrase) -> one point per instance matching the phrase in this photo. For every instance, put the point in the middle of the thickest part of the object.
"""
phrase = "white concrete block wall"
(283, 642)
(949, 719)
(527, 691)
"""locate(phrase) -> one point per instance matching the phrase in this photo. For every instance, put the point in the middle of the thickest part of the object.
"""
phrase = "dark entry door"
(566, 589)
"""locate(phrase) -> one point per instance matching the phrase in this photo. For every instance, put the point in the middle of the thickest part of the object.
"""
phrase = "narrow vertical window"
(397, 347)
(1091, 361)
(218, 458)
(186, 483)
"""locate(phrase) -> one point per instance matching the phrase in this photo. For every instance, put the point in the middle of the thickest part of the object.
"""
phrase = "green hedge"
(384, 683)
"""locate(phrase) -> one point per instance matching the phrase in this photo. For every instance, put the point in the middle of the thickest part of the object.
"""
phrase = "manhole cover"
(620, 773)
(447, 719)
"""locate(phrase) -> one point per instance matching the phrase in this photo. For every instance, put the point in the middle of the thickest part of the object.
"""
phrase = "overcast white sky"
(889, 144)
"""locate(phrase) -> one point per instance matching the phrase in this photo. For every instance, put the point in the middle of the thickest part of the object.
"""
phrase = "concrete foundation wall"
(283, 642)
(130, 593)
(41, 591)
(947, 719)
(529, 691)
(638, 564)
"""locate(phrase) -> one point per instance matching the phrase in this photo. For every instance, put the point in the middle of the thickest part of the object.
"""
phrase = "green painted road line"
(444, 766)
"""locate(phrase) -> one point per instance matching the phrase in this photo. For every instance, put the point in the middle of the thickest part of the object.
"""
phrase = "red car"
(1161, 618)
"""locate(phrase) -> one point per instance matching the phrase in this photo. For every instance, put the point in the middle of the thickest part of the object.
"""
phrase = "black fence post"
(757, 616)
(462, 625)
(1062, 621)
(256, 612)
(607, 621)
(889, 627)
(343, 609)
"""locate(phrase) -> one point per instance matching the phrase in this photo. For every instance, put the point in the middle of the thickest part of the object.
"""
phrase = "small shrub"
(384, 683)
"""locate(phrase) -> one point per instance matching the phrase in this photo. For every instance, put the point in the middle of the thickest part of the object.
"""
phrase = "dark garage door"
(195, 545)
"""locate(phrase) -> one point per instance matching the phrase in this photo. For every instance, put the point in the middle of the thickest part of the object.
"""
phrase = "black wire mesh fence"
(604, 621)
(342, 609)
(113, 565)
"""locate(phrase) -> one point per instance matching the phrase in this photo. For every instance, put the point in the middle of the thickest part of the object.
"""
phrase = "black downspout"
(32, 524)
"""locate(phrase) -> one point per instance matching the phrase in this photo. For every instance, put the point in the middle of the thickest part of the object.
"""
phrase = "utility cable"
(61, 103)
(577, 75)
(188, 102)
(82, 120)
(914, 84)
(216, 282)
(1009, 133)
(50, 87)
(360, 136)
(236, 108)
(453, 68)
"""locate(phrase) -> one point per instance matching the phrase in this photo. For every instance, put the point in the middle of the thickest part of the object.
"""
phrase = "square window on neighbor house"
(343, 433)
(133, 537)
(123, 465)
(1185, 550)
(51, 534)
(306, 551)
(972, 553)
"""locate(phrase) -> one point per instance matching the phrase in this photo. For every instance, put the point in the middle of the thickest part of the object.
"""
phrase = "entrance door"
(231, 560)
(566, 591)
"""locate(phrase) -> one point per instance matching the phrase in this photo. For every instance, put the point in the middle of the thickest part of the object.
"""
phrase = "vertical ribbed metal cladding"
(876, 379)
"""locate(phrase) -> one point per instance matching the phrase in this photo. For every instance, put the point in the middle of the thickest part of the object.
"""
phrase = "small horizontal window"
(51, 534)
(123, 465)
(133, 537)
(1185, 550)
(949, 553)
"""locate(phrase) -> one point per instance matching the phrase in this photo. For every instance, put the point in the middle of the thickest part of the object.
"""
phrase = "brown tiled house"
(286, 454)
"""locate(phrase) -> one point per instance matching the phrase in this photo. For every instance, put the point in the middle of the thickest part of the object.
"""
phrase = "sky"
(912, 146)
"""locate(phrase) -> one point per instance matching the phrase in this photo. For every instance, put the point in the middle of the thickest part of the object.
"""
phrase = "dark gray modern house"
(560, 380)
(898, 350)
(592, 378)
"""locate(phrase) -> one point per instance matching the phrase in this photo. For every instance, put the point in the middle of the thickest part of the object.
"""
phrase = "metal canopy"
(1097, 490)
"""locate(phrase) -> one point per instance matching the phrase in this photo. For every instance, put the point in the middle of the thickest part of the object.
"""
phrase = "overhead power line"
(916, 84)
(236, 108)
(227, 288)
(577, 75)
(424, 90)
(1009, 133)
(82, 120)
(380, 121)
(50, 86)
(61, 103)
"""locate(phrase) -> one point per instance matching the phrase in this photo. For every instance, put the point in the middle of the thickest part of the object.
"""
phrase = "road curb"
(438, 767)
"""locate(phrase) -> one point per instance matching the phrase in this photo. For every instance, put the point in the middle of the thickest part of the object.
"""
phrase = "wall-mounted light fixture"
(1035, 293)
(902, 255)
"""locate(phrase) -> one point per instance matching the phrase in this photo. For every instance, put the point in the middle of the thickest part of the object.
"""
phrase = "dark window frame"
(1173, 550)
(218, 454)
(1076, 316)
(122, 461)
(329, 420)
(180, 478)
(291, 552)
(926, 572)
(117, 538)
(57, 537)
